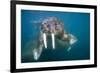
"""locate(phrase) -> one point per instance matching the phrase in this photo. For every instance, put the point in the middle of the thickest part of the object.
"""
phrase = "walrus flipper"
(37, 52)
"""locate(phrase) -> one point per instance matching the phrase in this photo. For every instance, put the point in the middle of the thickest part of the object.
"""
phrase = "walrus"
(54, 28)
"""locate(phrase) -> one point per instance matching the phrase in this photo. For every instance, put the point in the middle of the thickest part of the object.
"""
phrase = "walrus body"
(54, 28)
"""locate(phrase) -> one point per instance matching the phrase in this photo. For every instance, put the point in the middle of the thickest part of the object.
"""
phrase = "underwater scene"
(54, 36)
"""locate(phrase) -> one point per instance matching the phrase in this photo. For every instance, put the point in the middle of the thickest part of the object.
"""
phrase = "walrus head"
(52, 26)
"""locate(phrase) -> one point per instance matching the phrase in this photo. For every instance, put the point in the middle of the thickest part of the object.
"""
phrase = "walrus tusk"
(53, 40)
(45, 40)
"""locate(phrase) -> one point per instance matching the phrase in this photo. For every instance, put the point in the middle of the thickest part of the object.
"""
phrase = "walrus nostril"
(45, 40)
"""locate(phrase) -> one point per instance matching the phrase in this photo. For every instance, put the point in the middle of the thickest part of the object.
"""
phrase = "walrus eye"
(48, 26)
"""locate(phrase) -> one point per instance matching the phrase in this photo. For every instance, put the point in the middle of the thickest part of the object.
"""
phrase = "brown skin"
(59, 31)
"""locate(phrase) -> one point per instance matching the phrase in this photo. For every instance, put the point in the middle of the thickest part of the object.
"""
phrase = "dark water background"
(75, 23)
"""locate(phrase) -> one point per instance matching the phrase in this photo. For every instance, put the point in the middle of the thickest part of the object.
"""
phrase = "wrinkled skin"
(53, 25)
